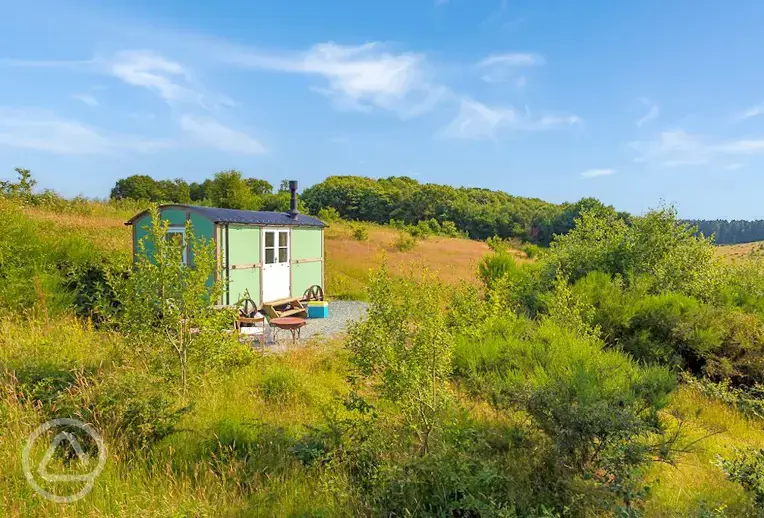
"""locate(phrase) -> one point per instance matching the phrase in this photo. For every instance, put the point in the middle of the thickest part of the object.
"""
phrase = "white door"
(276, 264)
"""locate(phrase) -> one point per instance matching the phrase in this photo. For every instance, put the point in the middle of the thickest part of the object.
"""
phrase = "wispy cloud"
(734, 166)
(43, 131)
(479, 121)
(87, 99)
(753, 111)
(593, 173)
(652, 113)
(362, 77)
(499, 68)
(173, 81)
(677, 148)
(212, 133)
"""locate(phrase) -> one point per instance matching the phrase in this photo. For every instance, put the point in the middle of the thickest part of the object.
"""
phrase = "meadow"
(615, 374)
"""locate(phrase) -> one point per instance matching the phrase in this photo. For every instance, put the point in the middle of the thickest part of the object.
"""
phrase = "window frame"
(182, 232)
(276, 246)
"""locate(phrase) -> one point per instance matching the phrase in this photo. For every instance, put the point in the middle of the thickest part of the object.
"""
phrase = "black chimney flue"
(293, 212)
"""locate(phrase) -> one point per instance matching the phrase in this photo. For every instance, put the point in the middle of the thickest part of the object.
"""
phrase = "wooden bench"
(291, 307)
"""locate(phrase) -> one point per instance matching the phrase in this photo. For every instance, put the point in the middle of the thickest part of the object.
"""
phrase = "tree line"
(227, 189)
(479, 213)
(732, 232)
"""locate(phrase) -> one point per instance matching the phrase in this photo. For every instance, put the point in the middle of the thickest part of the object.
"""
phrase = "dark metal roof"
(244, 217)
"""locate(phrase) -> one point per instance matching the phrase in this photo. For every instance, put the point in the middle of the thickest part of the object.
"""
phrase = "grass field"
(741, 251)
(233, 453)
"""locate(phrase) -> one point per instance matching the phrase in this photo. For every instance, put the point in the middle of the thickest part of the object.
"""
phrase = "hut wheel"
(315, 292)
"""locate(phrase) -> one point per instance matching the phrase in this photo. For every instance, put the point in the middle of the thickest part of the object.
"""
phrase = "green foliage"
(360, 233)
(135, 409)
(144, 187)
(746, 468)
(477, 213)
(328, 214)
(229, 190)
(533, 251)
(405, 354)
(167, 304)
(597, 408)
(732, 232)
(748, 400)
(280, 385)
(22, 189)
(656, 245)
(404, 242)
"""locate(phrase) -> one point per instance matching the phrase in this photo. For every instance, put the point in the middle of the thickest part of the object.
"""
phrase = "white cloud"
(753, 111)
(214, 134)
(173, 81)
(44, 131)
(149, 70)
(478, 121)
(502, 67)
(87, 99)
(734, 166)
(593, 173)
(513, 59)
(359, 77)
(677, 148)
(742, 147)
(651, 115)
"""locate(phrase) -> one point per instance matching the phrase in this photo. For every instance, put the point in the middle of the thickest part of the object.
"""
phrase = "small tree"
(166, 302)
(404, 348)
(22, 188)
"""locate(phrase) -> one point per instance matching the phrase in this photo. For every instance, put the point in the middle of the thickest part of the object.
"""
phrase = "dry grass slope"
(741, 251)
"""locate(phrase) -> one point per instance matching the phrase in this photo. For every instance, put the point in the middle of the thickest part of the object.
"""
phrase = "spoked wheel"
(315, 292)
(247, 306)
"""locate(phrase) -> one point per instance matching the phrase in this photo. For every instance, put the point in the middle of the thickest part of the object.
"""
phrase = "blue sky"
(634, 102)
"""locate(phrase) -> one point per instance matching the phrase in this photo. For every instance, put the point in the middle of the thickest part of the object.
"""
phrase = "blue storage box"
(318, 309)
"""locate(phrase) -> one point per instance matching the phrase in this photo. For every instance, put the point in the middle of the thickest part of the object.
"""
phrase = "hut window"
(276, 246)
(178, 236)
(283, 247)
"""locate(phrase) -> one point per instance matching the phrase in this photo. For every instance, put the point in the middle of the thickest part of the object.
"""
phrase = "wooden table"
(291, 324)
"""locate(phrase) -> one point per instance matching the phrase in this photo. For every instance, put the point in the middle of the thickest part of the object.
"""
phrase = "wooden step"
(273, 308)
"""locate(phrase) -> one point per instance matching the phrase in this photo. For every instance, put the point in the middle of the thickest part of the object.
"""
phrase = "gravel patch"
(341, 314)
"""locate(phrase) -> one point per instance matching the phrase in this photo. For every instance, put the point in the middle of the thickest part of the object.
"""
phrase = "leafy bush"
(405, 242)
(135, 408)
(328, 214)
(747, 400)
(407, 358)
(360, 233)
(533, 251)
(656, 245)
(746, 468)
(598, 408)
(167, 305)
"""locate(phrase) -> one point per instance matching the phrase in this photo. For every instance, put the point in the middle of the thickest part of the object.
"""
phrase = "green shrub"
(405, 242)
(360, 233)
(746, 468)
(135, 409)
(533, 251)
(597, 407)
(407, 358)
(328, 214)
(497, 244)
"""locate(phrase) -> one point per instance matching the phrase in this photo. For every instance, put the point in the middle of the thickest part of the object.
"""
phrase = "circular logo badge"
(65, 438)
